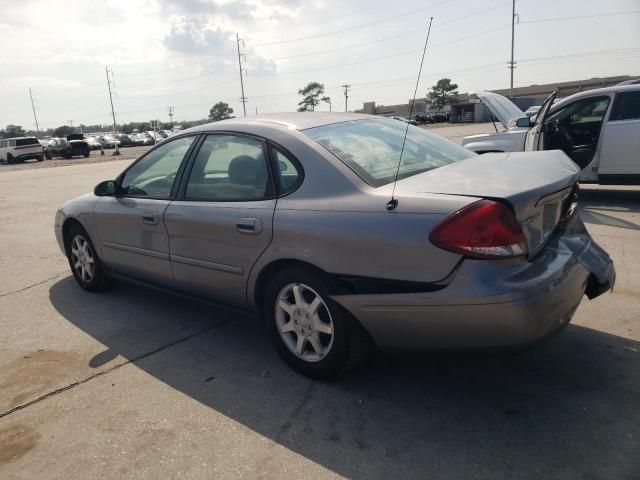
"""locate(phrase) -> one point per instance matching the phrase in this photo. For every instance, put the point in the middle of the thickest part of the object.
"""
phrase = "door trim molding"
(140, 251)
(208, 265)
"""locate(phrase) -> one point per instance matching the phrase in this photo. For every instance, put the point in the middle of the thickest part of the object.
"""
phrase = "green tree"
(442, 93)
(220, 111)
(312, 95)
(63, 131)
(12, 131)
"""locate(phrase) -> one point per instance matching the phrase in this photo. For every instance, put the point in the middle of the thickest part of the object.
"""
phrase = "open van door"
(535, 136)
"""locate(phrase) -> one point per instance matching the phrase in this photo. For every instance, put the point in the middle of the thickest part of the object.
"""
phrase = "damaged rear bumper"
(492, 303)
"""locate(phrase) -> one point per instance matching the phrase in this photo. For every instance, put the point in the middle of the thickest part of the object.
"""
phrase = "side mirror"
(524, 122)
(108, 188)
(282, 166)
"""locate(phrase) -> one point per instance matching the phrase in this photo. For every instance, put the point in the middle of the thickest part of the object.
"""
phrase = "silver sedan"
(299, 217)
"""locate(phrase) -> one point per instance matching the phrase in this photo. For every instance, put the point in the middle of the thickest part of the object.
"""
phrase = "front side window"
(626, 106)
(371, 148)
(585, 111)
(227, 168)
(153, 175)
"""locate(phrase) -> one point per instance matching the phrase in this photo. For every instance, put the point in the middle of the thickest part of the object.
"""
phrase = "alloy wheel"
(82, 258)
(304, 322)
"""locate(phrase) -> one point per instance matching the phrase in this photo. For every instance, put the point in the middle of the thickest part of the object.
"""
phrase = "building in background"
(469, 110)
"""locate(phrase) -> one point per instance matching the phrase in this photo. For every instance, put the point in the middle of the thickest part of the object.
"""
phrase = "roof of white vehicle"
(16, 138)
(295, 120)
(598, 91)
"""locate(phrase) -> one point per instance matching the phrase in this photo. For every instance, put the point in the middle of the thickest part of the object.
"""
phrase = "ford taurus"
(291, 216)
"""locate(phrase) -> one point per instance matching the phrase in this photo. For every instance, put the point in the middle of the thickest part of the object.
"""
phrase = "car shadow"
(565, 409)
(595, 202)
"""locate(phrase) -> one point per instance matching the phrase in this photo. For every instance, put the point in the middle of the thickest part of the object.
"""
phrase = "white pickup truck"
(598, 129)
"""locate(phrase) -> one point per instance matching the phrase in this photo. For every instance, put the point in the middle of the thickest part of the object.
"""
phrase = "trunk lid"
(501, 107)
(539, 186)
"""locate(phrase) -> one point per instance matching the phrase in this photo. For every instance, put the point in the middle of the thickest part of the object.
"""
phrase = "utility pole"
(512, 64)
(171, 116)
(346, 96)
(113, 113)
(70, 122)
(243, 99)
(34, 111)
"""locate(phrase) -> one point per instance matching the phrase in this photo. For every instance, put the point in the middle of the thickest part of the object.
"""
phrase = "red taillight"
(484, 229)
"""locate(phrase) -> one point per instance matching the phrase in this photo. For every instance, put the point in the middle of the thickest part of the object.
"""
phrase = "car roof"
(16, 138)
(294, 120)
(595, 92)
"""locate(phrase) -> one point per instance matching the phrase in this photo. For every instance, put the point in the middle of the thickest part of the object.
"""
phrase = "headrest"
(246, 170)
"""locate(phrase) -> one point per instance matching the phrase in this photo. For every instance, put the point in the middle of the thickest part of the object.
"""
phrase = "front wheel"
(84, 262)
(314, 335)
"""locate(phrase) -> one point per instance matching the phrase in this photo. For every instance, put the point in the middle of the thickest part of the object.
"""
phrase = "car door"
(222, 220)
(130, 226)
(619, 152)
(534, 140)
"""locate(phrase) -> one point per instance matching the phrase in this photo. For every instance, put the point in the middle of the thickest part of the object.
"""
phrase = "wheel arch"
(66, 226)
(272, 268)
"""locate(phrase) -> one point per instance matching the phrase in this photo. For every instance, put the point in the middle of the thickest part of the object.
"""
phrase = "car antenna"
(393, 203)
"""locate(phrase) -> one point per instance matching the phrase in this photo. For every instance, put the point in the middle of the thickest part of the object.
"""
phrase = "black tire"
(47, 155)
(40, 158)
(86, 154)
(99, 280)
(349, 343)
(10, 158)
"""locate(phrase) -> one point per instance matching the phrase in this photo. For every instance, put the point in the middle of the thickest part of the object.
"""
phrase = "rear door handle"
(251, 226)
(151, 218)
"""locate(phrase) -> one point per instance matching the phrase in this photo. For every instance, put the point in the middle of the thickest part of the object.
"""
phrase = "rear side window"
(229, 168)
(626, 106)
(26, 141)
(287, 174)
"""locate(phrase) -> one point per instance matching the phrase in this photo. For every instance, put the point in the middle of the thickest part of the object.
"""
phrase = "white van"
(598, 129)
(20, 149)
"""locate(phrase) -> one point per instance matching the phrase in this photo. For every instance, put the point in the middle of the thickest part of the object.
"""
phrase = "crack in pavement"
(57, 275)
(109, 370)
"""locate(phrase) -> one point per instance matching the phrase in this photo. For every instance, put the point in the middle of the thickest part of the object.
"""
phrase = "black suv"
(73, 145)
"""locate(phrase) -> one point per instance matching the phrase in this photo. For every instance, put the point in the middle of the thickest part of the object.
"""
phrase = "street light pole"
(34, 111)
(113, 113)
(512, 64)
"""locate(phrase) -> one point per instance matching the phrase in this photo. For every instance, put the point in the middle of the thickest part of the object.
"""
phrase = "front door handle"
(251, 226)
(151, 218)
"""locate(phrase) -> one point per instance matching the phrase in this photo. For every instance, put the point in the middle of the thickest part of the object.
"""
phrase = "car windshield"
(371, 148)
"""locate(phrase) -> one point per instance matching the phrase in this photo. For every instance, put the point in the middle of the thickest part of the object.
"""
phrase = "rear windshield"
(371, 148)
(27, 141)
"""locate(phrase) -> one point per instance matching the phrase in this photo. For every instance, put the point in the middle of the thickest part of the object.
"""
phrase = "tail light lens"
(484, 229)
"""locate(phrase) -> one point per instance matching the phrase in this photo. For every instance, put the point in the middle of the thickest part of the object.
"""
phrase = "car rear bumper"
(492, 303)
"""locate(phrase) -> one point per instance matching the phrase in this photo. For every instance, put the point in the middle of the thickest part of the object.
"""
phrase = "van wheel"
(313, 334)
(85, 265)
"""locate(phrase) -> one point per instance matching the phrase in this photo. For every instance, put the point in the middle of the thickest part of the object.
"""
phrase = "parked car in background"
(108, 141)
(532, 110)
(283, 214)
(598, 129)
(403, 119)
(72, 146)
(145, 139)
(125, 140)
(137, 139)
(94, 143)
(167, 133)
(155, 136)
(19, 149)
(423, 118)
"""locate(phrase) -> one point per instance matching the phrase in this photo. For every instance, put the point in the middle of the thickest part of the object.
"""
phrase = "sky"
(183, 54)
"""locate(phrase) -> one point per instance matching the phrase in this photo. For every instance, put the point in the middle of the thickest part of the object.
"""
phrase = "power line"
(356, 27)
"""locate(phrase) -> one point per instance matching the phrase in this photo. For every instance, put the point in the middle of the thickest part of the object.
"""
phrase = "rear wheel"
(314, 335)
(84, 262)
(87, 153)
(40, 158)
